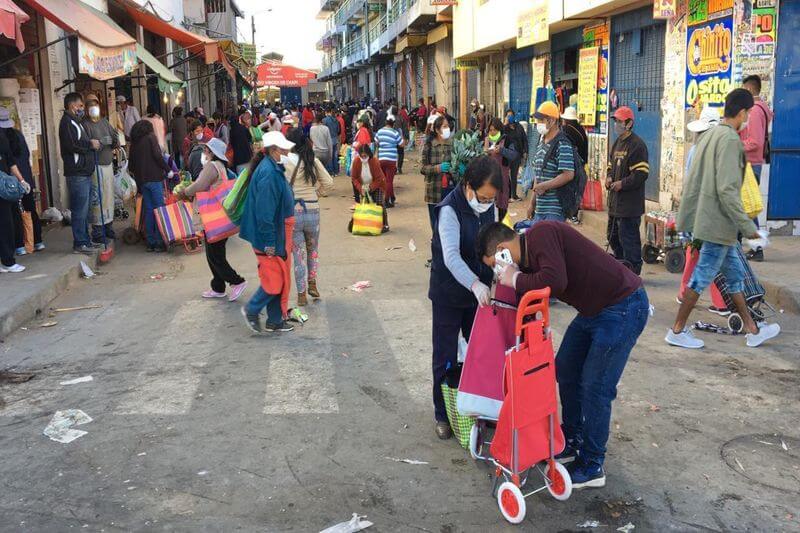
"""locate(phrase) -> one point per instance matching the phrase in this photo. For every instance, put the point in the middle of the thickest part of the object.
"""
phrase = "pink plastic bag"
(692, 256)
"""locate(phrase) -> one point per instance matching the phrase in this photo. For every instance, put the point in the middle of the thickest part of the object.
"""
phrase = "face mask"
(445, 133)
(479, 207)
(204, 159)
(510, 119)
(199, 136)
(541, 128)
(94, 111)
(742, 126)
(495, 137)
(79, 113)
(619, 127)
(284, 160)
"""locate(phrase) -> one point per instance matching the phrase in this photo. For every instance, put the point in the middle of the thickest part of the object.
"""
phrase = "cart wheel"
(559, 484)
(650, 254)
(735, 322)
(675, 260)
(130, 236)
(474, 443)
(511, 502)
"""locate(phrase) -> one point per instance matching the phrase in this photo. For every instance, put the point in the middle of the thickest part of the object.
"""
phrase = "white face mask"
(541, 127)
(742, 126)
(94, 111)
(478, 207)
(364, 160)
(199, 136)
(204, 159)
(284, 160)
(445, 133)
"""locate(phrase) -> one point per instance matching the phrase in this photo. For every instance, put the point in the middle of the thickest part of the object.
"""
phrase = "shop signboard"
(597, 35)
(467, 64)
(664, 9)
(105, 63)
(444, 2)
(709, 55)
(588, 64)
(538, 68)
(532, 25)
(248, 52)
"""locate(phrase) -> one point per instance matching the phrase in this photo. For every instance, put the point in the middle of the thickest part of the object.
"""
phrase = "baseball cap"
(276, 138)
(570, 114)
(623, 113)
(121, 99)
(709, 117)
(547, 110)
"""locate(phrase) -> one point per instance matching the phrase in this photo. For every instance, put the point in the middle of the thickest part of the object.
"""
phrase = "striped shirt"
(548, 204)
(388, 139)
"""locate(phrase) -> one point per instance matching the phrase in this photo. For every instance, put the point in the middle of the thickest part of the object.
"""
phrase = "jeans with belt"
(589, 365)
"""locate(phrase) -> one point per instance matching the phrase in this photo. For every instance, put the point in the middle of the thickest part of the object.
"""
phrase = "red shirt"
(342, 130)
(308, 117)
(362, 137)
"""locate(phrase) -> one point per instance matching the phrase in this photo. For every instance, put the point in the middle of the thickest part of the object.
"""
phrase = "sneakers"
(684, 339)
(586, 475)
(13, 269)
(86, 250)
(213, 294)
(443, 430)
(765, 333)
(283, 327)
(38, 247)
(21, 251)
(721, 311)
(756, 255)
(569, 454)
(251, 321)
(236, 291)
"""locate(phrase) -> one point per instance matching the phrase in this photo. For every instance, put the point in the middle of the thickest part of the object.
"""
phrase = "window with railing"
(216, 6)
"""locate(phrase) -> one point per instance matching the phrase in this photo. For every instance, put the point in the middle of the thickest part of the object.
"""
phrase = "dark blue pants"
(447, 323)
(79, 191)
(589, 365)
(625, 240)
(152, 197)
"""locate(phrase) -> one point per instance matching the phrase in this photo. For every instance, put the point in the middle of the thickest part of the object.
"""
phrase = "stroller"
(754, 296)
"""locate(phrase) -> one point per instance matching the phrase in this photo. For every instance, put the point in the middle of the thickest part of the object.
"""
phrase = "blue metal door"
(637, 75)
(520, 88)
(784, 176)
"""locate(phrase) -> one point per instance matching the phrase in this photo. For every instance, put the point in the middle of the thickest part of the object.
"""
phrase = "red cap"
(623, 113)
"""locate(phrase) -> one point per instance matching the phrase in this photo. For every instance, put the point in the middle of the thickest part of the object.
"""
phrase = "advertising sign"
(532, 26)
(664, 9)
(709, 57)
(105, 63)
(588, 64)
(248, 52)
(467, 64)
(597, 35)
(538, 67)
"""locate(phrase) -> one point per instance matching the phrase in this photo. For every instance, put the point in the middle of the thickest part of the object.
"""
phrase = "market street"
(199, 425)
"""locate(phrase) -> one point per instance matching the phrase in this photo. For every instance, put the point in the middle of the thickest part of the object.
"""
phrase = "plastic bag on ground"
(357, 523)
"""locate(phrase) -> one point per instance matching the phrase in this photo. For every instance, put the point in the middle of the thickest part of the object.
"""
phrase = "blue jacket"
(269, 202)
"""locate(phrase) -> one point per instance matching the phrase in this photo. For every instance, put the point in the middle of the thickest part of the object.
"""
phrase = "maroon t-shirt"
(577, 271)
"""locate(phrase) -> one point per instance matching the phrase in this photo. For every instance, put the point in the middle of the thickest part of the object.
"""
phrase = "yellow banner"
(538, 65)
(105, 63)
(587, 85)
(532, 26)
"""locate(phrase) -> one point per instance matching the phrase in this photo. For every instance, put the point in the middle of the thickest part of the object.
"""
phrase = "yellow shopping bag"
(751, 194)
(368, 217)
(507, 221)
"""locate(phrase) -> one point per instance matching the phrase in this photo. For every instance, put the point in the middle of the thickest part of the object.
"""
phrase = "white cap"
(709, 117)
(273, 116)
(570, 114)
(121, 99)
(288, 119)
(217, 147)
(276, 138)
(432, 118)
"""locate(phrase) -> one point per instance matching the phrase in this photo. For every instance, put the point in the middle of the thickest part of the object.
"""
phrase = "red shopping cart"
(528, 433)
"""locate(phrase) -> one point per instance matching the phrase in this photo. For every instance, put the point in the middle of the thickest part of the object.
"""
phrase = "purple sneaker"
(236, 291)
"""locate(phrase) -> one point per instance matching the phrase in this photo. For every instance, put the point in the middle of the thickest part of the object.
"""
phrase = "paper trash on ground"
(589, 524)
(408, 461)
(412, 245)
(357, 523)
(359, 286)
(59, 428)
(75, 381)
(627, 528)
(87, 272)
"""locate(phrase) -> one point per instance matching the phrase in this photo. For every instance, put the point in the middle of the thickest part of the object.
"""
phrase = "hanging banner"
(588, 64)
(597, 35)
(532, 25)
(105, 63)
(538, 72)
(709, 56)
(664, 9)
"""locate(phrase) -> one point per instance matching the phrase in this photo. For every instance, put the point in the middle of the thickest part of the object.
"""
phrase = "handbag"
(174, 222)
(11, 188)
(216, 223)
(235, 200)
(751, 194)
(368, 217)
(592, 196)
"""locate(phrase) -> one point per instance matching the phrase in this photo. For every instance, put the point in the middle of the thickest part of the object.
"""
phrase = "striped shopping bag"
(174, 221)
(368, 217)
(216, 222)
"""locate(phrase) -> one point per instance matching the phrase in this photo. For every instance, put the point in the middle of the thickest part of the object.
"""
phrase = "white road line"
(410, 340)
(302, 381)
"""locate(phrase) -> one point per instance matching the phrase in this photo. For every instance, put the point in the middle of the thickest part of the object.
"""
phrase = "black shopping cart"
(754, 296)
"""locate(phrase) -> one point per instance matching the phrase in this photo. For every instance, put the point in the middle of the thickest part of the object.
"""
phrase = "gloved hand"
(461, 169)
(170, 174)
(482, 293)
(508, 276)
(445, 166)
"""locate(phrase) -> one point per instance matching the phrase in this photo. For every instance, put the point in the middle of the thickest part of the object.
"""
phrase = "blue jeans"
(715, 258)
(334, 159)
(625, 240)
(272, 302)
(541, 218)
(152, 197)
(589, 365)
(80, 188)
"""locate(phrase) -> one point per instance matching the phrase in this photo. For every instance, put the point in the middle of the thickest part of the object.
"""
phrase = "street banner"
(279, 75)
(105, 63)
(532, 25)
(588, 64)
(664, 9)
(709, 55)
(538, 65)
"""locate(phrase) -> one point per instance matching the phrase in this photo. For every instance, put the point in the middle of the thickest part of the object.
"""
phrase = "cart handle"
(531, 303)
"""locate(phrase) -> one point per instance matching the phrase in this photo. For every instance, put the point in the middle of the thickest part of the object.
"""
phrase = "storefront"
(564, 52)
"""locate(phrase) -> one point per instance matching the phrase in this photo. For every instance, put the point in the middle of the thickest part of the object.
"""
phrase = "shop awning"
(409, 41)
(280, 75)
(167, 81)
(437, 34)
(207, 47)
(104, 51)
(11, 18)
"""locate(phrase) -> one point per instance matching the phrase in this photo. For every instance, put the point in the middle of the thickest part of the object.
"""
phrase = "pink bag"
(216, 222)
(692, 257)
(480, 392)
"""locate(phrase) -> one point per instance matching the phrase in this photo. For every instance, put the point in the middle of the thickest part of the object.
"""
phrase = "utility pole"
(253, 28)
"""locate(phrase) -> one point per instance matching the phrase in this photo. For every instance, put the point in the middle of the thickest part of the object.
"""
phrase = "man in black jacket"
(78, 155)
(628, 169)
(515, 134)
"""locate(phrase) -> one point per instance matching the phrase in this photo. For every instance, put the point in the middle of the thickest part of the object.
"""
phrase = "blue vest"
(444, 289)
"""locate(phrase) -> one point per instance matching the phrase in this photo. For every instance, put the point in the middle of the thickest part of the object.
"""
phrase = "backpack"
(570, 194)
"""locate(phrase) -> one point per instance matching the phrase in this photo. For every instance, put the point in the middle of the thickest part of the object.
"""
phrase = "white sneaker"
(765, 333)
(14, 269)
(684, 339)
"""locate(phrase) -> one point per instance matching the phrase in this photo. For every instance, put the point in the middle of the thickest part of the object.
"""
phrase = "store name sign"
(467, 64)
(105, 63)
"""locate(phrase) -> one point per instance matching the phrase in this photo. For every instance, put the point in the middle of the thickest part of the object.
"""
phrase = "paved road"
(199, 425)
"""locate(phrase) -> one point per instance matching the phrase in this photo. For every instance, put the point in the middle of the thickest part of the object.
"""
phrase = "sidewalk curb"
(36, 302)
(778, 295)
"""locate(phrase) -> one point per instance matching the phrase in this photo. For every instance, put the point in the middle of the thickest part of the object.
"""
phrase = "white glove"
(170, 174)
(482, 293)
(508, 276)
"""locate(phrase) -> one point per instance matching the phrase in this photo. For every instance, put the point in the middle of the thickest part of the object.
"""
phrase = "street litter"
(627, 528)
(739, 464)
(141, 454)
(49, 324)
(296, 315)
(52, 214)
(202, 473)
(359, 286)
(157, 277)
(357, 523)
(408, 461)
(589, 524)
(784, 446)
(87, 272)
(60, 427)
(390, 248)
(79, 308)
(412, 245)
(75, 381)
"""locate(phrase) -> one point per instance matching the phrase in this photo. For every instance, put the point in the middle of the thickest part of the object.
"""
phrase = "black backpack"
(570, 194)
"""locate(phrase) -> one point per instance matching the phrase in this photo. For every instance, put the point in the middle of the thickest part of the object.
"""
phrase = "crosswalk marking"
(410, 340)
(302, 382)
